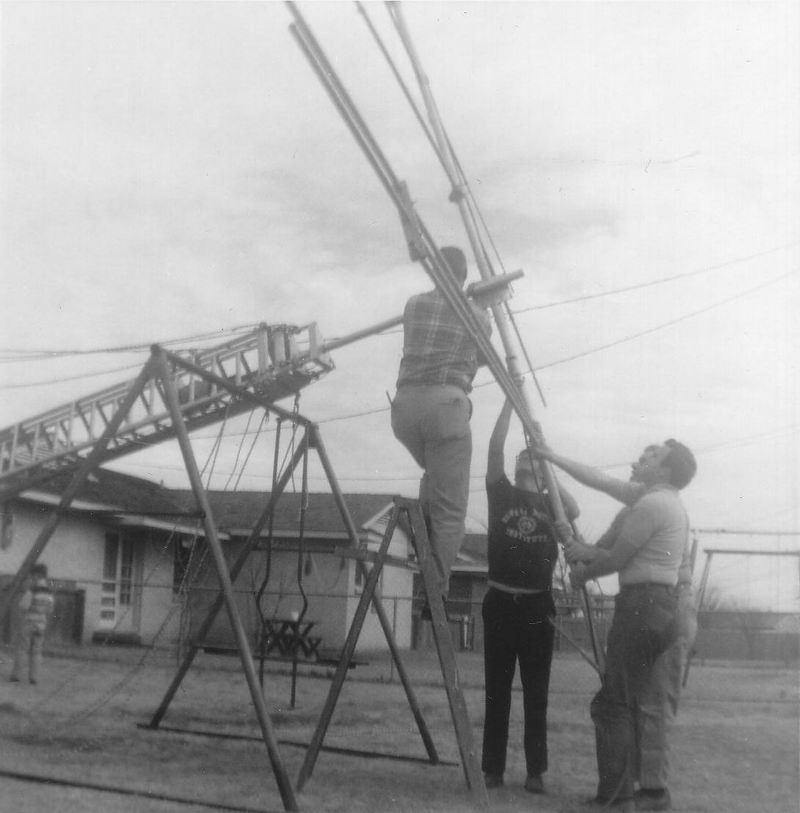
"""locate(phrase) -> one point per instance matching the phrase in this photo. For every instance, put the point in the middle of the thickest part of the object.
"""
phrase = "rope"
(259, 597)
(239, 449)
(264, 419)
(301, 536)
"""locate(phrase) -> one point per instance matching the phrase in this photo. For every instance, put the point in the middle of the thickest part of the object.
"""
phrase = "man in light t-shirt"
(645, 546)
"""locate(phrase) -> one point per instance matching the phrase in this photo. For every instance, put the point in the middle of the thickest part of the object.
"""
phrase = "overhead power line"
(669, 323)
(660, 281)
(372, 476)
(42, 353)
(574, 357)
(49, 381)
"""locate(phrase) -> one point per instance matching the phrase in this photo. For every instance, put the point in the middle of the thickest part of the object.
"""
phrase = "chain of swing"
(260, 595)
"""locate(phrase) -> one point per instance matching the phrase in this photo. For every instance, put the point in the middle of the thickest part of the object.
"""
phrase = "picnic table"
(289, 637)
(289, 640)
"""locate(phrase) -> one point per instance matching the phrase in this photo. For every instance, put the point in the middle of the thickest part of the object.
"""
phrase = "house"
(110, 558)
(300, 572)
(129, 561)
(129, 564)
(467, 588)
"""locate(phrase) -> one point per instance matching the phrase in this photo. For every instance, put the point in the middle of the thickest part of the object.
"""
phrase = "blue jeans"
(432, 422)
(643, 628)
(516, 628)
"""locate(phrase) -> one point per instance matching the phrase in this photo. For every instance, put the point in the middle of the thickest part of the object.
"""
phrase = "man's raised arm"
(592, 477)
(495, 464)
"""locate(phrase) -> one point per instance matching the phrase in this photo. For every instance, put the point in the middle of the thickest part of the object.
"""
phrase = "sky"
(171, 170)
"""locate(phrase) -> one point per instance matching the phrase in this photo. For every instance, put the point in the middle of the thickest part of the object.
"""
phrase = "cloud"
(170, 169)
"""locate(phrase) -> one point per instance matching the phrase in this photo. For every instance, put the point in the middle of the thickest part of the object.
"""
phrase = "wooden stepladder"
(444, 646)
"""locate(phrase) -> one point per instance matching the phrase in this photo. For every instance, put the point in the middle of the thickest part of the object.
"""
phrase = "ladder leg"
(447, 657)
(411, 696)
(316, 442)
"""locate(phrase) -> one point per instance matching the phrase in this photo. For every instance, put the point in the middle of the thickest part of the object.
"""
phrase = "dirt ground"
(77, 742)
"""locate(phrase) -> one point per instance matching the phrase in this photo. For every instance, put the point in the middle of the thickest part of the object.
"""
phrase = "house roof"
(240, 510)
(235, 512)
(111, 490)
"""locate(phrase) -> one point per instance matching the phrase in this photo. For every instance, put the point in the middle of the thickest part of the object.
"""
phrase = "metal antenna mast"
(460, 198)
(518, 394)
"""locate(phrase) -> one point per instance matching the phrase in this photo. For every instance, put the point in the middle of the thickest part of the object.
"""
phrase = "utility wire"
(576, 356)
(590, 351)
(669, 323)
(702, 450)
(659, 281)
(76, 377)
(36, 354)
(43, 354)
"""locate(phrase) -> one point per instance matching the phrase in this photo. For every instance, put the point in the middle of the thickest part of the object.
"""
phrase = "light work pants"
(658, 704)
(29, 644)
(432, 422)
(643, 628)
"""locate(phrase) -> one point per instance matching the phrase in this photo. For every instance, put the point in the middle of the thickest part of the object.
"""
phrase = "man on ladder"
(431, 411)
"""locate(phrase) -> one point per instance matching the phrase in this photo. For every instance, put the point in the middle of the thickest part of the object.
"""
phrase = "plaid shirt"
(437, 349)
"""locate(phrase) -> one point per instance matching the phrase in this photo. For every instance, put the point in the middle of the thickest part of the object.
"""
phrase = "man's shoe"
(534, 784)
(652, 799)
(493, 780)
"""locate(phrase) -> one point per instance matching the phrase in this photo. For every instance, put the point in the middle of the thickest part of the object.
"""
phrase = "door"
(120, 599)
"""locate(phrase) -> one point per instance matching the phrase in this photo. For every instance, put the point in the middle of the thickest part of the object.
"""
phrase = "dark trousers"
(643, 628)
(516, 628)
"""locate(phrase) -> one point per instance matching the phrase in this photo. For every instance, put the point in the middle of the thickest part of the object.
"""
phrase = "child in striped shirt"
(35, 607)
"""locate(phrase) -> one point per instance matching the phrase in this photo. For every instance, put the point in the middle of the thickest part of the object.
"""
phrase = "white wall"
(75, 553)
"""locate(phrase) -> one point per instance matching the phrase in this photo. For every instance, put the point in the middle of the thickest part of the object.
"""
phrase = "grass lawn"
(735, 748)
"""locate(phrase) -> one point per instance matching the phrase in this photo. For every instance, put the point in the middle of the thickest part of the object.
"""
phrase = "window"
(126, 573)
(459, 601)
(110, 556)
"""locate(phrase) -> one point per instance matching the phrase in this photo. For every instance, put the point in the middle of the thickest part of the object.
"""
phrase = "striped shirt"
(437, 349)
(37, 602)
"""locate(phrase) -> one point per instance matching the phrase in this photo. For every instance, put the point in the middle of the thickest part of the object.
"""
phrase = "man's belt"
(516, 591)
(466, 389)
(647, 586)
